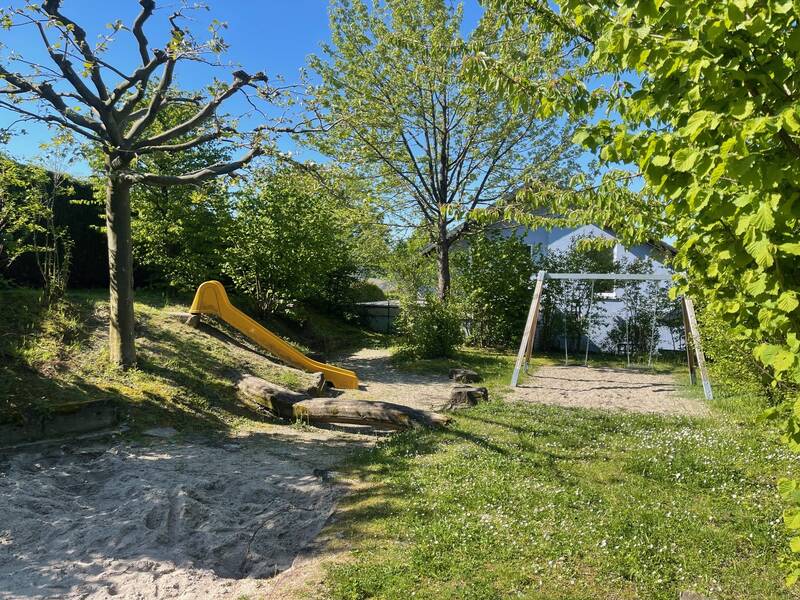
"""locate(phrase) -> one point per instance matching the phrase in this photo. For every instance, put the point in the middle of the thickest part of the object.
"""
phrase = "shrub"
(493, 284)
(364, 291)
(734, 371)
(290, 242)
(430, 329)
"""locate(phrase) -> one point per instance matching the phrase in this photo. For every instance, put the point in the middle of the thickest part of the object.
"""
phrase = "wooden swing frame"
(694, 350)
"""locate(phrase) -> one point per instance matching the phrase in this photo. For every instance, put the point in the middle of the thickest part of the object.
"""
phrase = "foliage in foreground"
(713, 127)
(542, 502)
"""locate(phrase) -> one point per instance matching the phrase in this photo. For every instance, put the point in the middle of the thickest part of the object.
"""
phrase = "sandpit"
(184, 518)
(164, 518)
(607, 388)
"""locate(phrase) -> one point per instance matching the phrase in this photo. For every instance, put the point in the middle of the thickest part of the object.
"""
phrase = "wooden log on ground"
(294, 405)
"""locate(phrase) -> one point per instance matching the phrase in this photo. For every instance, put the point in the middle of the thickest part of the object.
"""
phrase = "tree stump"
(464, 376)
(193, 321)
(465, 396)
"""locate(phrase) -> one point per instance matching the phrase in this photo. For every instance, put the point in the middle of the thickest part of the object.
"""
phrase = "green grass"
(543, 502)
(183, 377)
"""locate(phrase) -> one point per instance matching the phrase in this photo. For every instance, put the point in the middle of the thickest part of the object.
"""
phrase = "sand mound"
(166, 519)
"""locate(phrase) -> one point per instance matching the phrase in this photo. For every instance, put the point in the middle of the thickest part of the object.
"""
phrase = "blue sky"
(274, 36)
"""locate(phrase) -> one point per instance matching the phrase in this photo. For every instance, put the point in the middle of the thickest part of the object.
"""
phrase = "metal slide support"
(530, 328)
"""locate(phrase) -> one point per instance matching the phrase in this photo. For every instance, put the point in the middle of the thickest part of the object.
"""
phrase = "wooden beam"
(530, 328)
(698, 348)
(617, 276)
(688, 340)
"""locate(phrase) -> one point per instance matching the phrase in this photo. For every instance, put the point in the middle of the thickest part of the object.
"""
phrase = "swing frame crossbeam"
(694, 350)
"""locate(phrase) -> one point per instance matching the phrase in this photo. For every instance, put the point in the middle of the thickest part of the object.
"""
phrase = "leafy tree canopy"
(400, 110)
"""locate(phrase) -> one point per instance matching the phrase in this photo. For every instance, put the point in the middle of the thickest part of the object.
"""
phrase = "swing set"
(694, 351)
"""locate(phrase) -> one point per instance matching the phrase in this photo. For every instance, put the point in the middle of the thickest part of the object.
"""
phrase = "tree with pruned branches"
(80, 91)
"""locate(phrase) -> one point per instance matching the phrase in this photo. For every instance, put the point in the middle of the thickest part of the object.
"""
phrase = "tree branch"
(138, 29)
(197, 176)
(188, 145)
(241, 79)
(52, 8)
(155, 103)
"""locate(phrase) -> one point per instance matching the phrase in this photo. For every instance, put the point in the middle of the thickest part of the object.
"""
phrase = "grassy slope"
(183, 377)
(544, 502)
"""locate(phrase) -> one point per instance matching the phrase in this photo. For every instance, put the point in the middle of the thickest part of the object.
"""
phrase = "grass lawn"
(543, 502)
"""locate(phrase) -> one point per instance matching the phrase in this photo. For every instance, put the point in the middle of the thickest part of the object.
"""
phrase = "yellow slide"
(211, 299)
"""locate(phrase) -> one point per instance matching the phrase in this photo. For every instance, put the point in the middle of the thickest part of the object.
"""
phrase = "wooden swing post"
(526, 345)
(688, 306)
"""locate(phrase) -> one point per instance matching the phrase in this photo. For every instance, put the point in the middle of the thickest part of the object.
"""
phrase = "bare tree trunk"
(120, 267)
(443, 261)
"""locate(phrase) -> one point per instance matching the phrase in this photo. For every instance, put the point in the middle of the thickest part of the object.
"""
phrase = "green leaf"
(684, 159)
(775, 356)
(579, 138)
(791, 518)
(761, 251)
(742, 109)
(699, 122)
(792, 577)
(660, 160)
(790, 120)
(794, 544)
(788, 301)
(790, 248)
(763, 219)
(757, 287)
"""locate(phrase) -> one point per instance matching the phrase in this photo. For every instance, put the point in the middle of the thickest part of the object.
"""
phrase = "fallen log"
(298, 406)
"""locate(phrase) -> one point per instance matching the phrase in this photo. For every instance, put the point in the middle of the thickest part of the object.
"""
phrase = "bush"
(364, 291)
(179, 233)
(290, 242)
(431, 329)
(493, 283)
(733, 369)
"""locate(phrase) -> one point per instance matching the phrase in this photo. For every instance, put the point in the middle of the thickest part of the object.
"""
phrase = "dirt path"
(382, 381)
(607, 388)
